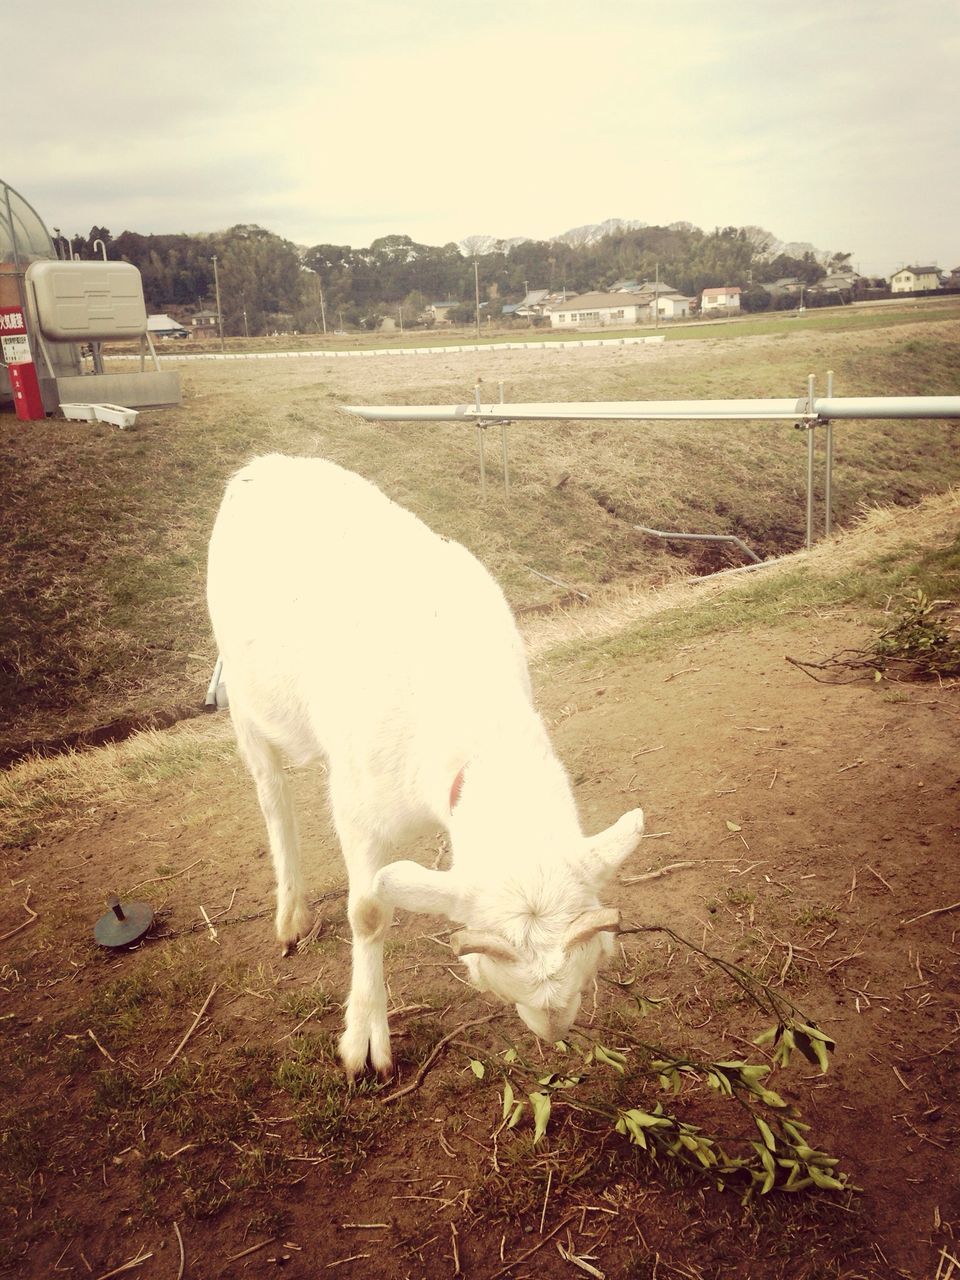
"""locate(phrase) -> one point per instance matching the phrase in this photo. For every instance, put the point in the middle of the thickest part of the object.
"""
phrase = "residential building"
(723, 300)
(673, 306)
(595, 310)
(164, 326)
(438, 311)
(915, 280)
(533, 303)
(651, 287)
(837, 282)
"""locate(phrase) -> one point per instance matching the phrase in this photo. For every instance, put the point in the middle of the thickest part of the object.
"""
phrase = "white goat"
(351, 632)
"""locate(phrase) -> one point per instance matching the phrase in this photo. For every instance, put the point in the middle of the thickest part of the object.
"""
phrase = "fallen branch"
(183, 1256)
(254, 1248)
(138, 1261)
(193, 1026)
(655, 875)
(172, 876)
(431, 1058)
(34, 915)
(937, 911)
(539, 1245)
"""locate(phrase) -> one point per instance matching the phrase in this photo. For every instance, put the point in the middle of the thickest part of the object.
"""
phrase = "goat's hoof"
(359, 1060)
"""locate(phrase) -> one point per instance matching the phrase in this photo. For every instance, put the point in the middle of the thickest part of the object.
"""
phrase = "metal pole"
(480, 431)
(828, 479)
(811, 385)
(506, 461)
(476, 283)
(216, 285)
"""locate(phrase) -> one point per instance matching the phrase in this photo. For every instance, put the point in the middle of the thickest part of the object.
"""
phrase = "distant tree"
(463, 314)
(755, 298)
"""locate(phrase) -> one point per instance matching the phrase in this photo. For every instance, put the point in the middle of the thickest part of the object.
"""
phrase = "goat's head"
(537, 941)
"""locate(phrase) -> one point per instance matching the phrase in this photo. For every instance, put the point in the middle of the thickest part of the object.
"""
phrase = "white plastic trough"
(115, 414)
(78, 412)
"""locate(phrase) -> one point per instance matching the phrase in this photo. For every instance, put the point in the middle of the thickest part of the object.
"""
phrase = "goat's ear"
(416, 888)
(604, 853)
(479, 942)
(589, 924)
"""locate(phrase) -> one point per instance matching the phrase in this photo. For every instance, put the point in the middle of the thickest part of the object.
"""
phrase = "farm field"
(807, 832)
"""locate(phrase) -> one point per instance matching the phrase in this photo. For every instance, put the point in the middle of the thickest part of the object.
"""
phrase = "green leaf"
(610, 1057)
(507, 1098)
(824, 1180)
(644, 1119)
(771, 1098)
(515, 1118)
(732, 826)
(557, 1081)
(766, 1133)
(541, 1114)
(510, 1055)
(477, 1067)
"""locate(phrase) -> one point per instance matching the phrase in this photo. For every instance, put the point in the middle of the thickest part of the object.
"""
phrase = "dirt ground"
(820, 823)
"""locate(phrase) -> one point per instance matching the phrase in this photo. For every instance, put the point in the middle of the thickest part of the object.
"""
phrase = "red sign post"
(15, 343)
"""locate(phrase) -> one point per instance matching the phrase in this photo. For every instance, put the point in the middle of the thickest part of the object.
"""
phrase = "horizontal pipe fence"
(808, 412)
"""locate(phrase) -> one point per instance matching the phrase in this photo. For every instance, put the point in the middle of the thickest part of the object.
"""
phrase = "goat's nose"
(546, 1024)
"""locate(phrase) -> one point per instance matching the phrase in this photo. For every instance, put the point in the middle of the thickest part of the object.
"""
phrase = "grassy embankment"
(104, 533)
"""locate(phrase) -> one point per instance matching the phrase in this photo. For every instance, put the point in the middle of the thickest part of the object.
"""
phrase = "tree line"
(267, 282)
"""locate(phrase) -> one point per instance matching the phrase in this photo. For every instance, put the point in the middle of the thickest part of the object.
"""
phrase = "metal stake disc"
(122, 926)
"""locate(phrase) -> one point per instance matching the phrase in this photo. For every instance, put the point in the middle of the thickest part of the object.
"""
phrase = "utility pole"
(216, 285)
(476, 282)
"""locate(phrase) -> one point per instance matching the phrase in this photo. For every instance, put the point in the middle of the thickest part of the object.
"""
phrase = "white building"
(673, 306)
(725, 299)
(915, 279)
(595, 310)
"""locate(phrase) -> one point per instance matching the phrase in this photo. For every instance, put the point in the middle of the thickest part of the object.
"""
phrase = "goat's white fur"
(351, 632)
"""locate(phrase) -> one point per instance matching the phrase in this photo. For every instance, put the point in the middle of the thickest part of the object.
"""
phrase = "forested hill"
(266, 280)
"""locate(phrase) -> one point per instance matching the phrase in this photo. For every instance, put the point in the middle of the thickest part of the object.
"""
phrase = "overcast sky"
(833, 122)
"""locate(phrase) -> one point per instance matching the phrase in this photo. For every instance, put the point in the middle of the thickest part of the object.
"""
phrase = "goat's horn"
(477, 942)
(589, 924)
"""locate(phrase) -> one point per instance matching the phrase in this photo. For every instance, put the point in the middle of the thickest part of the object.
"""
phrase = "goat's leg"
(266, 767)
(366, 1033)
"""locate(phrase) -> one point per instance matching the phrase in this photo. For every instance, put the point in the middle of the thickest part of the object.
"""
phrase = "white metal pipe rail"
(809, 412)
(803, 409)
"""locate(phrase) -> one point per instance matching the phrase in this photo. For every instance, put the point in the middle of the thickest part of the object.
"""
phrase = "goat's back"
(333, 605)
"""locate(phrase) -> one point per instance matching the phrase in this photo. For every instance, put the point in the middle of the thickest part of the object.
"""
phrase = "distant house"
(595, 310)
(653, 288)
(536, 303)
(672, 306)
(915, 280)
(533, 303)
(439, 311)
(723, 300)
(163, 326)
(837, 282)
(204, 320)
